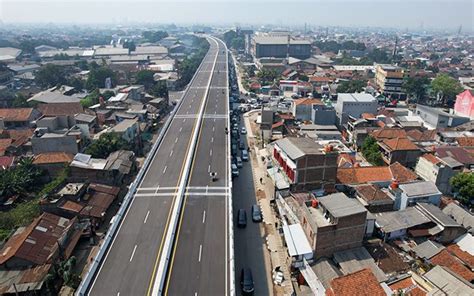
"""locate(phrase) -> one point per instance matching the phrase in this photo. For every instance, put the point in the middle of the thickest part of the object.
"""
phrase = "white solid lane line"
(200, 252)
(133, 253)
(146, 217)
(203, 216)
(164, 171)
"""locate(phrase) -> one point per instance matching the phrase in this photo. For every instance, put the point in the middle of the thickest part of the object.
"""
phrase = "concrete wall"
(323, 116)
(54, 144)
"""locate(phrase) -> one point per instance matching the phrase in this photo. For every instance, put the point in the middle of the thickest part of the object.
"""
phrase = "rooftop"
(339, 205)
(461, 216)
(451, 283)
(59, 109)
(399, 144)
(361, 283)
(372, 174)
(428, 249)
(444, 258)
(49, 97)
(53, 157)
(356, 97)
(298, 147)
(16, 114)
(398, 220)
(421, 188)
(371, 193)
(279, 40)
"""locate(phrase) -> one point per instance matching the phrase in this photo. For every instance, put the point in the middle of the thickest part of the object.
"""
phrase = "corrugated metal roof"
(403, 219)
(339, 205)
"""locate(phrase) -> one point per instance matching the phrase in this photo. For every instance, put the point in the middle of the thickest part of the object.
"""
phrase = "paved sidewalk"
(264, 191)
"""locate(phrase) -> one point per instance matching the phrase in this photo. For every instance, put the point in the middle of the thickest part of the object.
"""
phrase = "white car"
(243, 131)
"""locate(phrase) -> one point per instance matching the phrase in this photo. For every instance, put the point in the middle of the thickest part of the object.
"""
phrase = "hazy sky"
(382, 13)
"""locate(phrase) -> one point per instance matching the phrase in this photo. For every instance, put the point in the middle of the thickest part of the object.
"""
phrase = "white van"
(238, 161)
(245, 155)
(235, 170)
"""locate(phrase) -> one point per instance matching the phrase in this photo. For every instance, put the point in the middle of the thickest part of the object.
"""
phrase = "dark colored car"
(246, 281)
(256, 214)
(241, 218)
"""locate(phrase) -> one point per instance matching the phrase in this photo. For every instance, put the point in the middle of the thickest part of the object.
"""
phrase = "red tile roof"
(20, 133)
(420, 136)
(4, 144)
(361, 175)
(308, 101)
(431, 158)
(409, 287)
(72, 206)
(459, 153)
(362, 282)
(388, 133)
(6, 162)
(16, 114)
(371, 192)
(465, 141)
(464, 256)
(53, 157)
(444, 258)
(399, 144)
(58, 109)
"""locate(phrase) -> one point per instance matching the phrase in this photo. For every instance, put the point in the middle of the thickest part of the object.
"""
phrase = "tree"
(145, 77)
(446, 87)
(160, 89)
(463, 186)
(351, 86)
(97, 77)
(20, 179)
(51, 75)
(371, 152)
(130, 45)
(416, 87)
(91, 99)
(106, 144)
(154, 36)
(20, 101)
(267, 75)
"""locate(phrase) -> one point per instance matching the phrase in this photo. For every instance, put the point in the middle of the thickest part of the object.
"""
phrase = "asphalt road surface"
(130, 265)
(199, 264)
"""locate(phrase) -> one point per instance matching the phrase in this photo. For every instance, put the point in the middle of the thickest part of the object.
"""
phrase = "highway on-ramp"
(130, 264)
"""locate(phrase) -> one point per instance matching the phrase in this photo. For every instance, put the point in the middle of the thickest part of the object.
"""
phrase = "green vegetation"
(63, 272)
(463, 186)
(351, 86)
(371, 152)
(446, 88)
(106, 144)
(267, 76)
(97, 76)
(234, 40)
(154, 36)
(334, 46)
(189, 65)
(416, 87)
(91, 99)
(130, 45)
(51, 75)
(145, 77)
(19, 216)
(60, 178)
(374, 56)
(20, 179)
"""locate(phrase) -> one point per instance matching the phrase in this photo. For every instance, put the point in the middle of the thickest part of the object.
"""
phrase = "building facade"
(389, 80)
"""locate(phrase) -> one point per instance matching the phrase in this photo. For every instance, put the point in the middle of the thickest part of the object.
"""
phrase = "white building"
(354, 105)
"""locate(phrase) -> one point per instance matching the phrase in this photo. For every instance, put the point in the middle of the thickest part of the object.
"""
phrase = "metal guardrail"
(111, 233)
(229, 202)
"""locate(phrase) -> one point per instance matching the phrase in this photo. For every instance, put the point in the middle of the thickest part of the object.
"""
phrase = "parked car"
(243, 130)
(256, 214)
(235, 170)
(241, 146)
(246, 281)
(241, 218)
(238, 162)
(245, 155)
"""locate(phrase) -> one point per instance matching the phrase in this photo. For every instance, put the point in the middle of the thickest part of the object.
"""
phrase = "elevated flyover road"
(199, 262)
(130, 266)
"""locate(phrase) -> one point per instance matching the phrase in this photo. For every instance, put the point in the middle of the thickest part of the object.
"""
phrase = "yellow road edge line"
(150, 286)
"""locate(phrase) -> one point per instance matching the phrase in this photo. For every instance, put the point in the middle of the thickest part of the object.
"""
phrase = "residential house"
(461, 216)
(353, 105)
(408, 286)
(362, 283)
(62, 112)
(373, 198)
(446, 282)
(55, 142)
(438, 170)
(460, 154)
(302, 108)
(434, 118)
(306, 164)
(399, 150)
(358, 258)
(323, 114)
(464, 105)
(97, 201)
(53, 96)
(395, 224)
(128, 129)
(380, 175)
(44, 240)
(53, 162)
(17, 118)
(332, 223)
(406, 195)
(115, 170)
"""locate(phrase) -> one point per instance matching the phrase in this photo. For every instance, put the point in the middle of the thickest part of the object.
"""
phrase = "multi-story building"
(464, 105)
(306, 164)
(434, 118)
(280, 47)
(399, 150)
(389, 80)
(353, 105)
(438, 170)
(332, 223)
